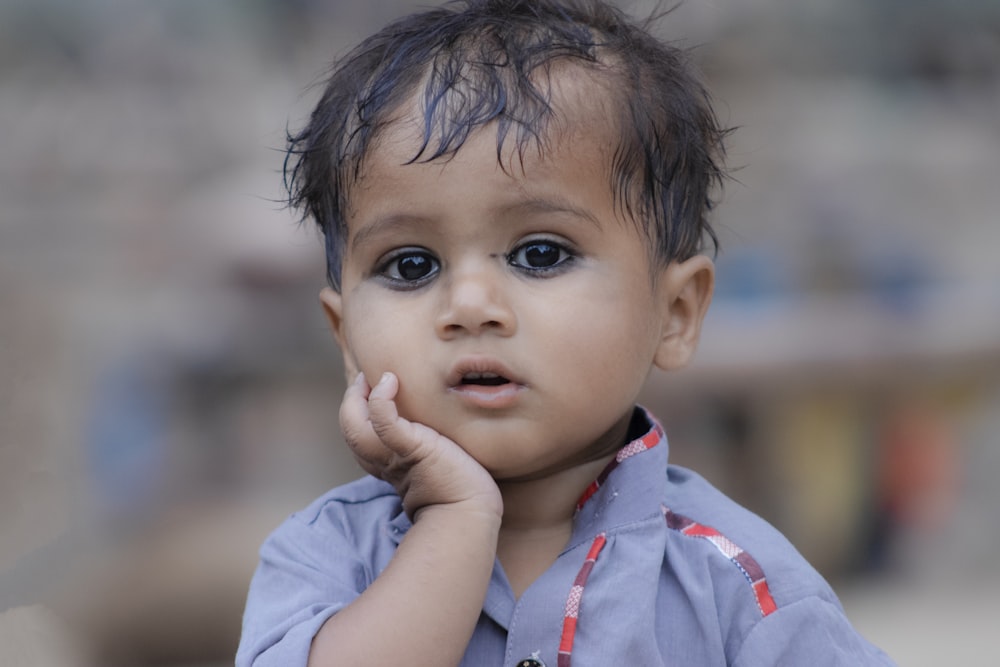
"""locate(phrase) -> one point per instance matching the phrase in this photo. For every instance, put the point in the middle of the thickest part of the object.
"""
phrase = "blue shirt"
(661, 569)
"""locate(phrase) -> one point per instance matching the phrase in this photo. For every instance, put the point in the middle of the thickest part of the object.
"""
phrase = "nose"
(474, 302)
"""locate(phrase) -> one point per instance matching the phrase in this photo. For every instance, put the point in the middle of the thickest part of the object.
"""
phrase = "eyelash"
(390, 271)
(565, 257)
(390, 265)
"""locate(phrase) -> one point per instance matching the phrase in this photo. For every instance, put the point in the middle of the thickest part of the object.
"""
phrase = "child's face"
(520, 312)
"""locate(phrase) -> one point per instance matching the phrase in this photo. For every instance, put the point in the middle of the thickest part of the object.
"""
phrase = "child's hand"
(425, 467)
(432, 590)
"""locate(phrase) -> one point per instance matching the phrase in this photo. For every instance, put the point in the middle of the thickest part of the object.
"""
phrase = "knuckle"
(383, 429)
(352, 434)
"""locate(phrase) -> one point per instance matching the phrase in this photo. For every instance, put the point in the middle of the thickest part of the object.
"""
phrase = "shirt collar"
(630, 488)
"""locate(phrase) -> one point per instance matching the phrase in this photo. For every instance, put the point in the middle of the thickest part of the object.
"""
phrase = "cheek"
(376, 352)
(615, 340)
(372, 338)
(380, 347)
(602, 345)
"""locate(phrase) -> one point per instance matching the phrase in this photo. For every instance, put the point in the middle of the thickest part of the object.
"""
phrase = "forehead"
(565, 172)
(579, 108)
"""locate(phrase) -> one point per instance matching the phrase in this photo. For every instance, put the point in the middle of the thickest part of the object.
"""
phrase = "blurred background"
(169, 391)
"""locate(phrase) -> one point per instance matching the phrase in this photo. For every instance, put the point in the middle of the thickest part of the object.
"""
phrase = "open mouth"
(484, 379)
(486, 383)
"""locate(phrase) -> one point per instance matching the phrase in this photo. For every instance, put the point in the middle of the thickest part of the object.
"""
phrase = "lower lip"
(490, 397)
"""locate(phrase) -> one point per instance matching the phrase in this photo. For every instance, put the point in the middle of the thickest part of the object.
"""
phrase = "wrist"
(484, 511)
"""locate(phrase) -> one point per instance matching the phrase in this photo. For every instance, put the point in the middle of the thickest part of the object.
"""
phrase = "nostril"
(474, 308)
(488, 325)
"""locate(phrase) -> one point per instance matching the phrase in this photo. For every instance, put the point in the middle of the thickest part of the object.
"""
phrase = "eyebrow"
(385, 225)
(392, 223)
(551, 205)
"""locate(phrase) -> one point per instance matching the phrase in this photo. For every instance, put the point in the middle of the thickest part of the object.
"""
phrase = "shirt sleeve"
(811, 631)
(303, 578)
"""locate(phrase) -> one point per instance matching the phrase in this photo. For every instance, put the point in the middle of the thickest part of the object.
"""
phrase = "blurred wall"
(168, 389)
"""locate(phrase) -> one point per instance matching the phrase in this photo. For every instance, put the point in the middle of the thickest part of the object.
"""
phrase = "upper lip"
(479, 367)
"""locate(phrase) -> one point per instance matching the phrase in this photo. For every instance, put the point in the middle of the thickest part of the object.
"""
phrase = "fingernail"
(384, 378)
(359, 379)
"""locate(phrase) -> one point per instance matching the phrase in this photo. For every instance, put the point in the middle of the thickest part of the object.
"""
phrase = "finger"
(354, 408)
(383, 394)
(395, 432)
(371, 468)
(356, 426)
(382, 411)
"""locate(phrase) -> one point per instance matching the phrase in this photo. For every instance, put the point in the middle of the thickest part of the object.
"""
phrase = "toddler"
(513, 196)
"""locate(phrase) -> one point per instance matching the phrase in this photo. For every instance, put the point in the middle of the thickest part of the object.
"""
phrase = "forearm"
(423, 608)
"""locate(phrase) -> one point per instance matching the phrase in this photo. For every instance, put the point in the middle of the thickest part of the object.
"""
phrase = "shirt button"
(531, 662)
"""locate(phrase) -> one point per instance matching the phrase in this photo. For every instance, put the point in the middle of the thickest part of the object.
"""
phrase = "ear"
(685, 292)
(333, 307)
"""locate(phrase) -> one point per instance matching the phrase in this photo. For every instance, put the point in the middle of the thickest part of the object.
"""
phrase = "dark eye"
(539, 255)
(410, 267)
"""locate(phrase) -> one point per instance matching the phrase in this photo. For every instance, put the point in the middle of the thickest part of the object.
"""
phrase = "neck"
(538, 520)
(547, 502)
(538, 512)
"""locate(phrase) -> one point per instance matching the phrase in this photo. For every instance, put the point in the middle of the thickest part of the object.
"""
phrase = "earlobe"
(333, 308)
(685, 292)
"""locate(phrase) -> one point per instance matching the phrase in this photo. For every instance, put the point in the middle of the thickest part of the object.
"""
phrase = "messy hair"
(474, 62)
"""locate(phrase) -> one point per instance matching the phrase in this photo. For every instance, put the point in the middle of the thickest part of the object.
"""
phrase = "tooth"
(474, 375)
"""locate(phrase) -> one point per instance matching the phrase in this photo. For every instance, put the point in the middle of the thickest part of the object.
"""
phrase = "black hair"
(472, 62)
